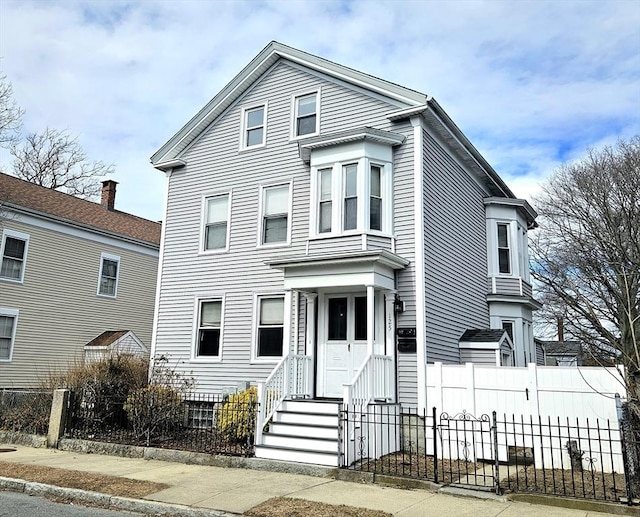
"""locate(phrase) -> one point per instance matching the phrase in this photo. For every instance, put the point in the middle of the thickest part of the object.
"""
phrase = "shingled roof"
(33, 199)
(482, 335)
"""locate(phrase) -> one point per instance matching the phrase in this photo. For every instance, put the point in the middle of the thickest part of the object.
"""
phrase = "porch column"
(310, 332)
(390, 322)
(286, 338)
(370, 317)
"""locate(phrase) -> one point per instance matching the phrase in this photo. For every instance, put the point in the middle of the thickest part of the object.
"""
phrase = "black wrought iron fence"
(581, 458)
(25, 411)
(161, 417)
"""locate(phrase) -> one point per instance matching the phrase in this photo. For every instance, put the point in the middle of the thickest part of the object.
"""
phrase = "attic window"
(254, 123)
(306, 115)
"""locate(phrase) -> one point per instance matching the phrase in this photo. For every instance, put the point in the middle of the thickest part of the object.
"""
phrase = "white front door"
(343, 342)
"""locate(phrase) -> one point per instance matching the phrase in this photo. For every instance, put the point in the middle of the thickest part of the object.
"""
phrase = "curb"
(109, 501)
(575, 504)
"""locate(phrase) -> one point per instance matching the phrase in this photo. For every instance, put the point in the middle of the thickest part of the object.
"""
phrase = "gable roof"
(29, 198)
(165, 156)
(417, 103)
(482, 335)
(563, 348)
(108, 337)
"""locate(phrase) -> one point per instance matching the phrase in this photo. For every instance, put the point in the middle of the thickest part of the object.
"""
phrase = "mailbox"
(406, 337)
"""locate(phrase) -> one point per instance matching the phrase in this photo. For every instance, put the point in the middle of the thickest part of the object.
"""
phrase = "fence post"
(435, 445)
(259, 418)
(494, 431)
(57, 417)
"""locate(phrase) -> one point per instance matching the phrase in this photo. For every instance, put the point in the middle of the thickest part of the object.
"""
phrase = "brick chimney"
(108, 200)
(560, 328)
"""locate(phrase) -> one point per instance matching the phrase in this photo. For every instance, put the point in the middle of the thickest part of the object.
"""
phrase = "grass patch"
(111, 485)
(288, 507)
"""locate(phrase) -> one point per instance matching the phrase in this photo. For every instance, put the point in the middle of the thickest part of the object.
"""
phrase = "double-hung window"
(306, 115)
(254, 126)
(8, 324)
(375, 198)
(504, 252)
(13, 255)
(108, 279)
(275, 214)
(350, 178)
(216, 227)
(209, 328)
(270, 328)
(325, 212)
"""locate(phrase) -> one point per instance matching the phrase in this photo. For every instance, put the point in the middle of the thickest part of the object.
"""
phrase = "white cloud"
(531, 83)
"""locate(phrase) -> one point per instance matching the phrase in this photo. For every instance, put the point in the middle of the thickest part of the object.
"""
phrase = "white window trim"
(294, 113)
(243, 126)
(510, 241)
(195, 358)
(364, 189)
(255, 359)
(15, 235)
(115, 258)
(261, 244)
(203, 222)
(13, 313)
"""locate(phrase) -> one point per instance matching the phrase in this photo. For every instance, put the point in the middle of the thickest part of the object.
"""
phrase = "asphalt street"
(22, 505)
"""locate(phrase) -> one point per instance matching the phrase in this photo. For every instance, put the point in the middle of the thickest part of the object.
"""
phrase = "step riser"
(295, 430)
(297, 456)
(302, 444)
(299, 418)
(328, 408)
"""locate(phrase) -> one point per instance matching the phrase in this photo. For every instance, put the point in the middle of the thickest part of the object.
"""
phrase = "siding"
(470, 355)
(404, 221)
(455, 253)
(215, 164)
(59, 309)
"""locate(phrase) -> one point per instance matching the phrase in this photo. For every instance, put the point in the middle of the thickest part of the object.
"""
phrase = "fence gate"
(468, 451)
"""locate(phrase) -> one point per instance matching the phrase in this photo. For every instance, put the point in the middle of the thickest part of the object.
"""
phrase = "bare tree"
(54, 160)
(10, 114)
(587, 254)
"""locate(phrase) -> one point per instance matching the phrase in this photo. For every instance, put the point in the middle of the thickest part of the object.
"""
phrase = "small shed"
(486, 346)
(114, 342)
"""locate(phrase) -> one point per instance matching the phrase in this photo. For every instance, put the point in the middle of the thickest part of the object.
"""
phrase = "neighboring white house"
(331, 233)
(70, 269)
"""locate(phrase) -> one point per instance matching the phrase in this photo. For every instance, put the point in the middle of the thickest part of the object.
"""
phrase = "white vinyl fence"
(540, 408)
(545, 391)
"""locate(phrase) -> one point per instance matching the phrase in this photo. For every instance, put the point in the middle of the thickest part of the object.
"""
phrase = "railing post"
(260, 416)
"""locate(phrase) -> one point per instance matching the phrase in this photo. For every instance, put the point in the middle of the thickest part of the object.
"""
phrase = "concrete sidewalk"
(235, 491)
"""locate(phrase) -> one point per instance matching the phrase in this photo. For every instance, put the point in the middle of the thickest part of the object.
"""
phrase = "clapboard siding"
(216, 165)
(403, 226)
(59, 310)
(470, 355)
(455, 253)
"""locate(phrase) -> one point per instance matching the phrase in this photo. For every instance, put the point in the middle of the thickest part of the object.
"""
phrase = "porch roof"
(345, 269)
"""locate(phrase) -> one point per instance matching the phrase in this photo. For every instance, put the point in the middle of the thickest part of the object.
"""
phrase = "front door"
(343, 346)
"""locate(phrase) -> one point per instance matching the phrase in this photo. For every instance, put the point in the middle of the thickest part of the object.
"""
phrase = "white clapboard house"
(327, 235)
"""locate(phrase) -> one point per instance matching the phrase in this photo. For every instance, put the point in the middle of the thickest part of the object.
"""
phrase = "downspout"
(418, 198)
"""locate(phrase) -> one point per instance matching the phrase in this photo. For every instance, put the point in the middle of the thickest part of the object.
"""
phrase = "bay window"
(504, 252)
(352, 197)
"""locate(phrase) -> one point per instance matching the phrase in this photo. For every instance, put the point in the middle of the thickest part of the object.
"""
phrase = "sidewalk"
(237, 490)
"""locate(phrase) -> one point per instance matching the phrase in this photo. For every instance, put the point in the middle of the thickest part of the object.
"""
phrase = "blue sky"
(531, 83)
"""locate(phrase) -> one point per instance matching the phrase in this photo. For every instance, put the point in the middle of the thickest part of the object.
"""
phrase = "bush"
(154, 409)
(25, 411)
(100, 388)
(237, 416)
